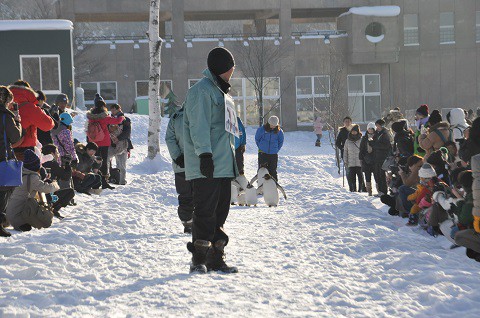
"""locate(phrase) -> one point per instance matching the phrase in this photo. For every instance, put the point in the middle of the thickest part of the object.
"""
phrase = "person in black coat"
(367, 156)
(403, 139)
(382, 147)
(471, 145)
(343, 134)
(44, 137)
(12, 130)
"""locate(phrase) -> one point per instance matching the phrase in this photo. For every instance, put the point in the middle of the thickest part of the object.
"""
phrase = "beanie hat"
(99, 101)
(92, 145)
(399, 126)
(66, 119)
(380, 122)
(465, 178)
(220, 60)
(61, 98)
(273, 120)
(48, 149)
(423, 110)
(356, 127)
(435, 118)
(371, 125)
(427, 171)
(31, 160)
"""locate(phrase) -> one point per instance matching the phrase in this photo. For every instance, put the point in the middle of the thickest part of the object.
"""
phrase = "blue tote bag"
(10, 170)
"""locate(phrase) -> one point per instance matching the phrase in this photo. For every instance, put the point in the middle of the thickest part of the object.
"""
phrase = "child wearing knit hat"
(422, 197)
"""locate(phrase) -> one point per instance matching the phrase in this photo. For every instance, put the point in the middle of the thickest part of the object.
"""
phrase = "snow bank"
(374, 11)
(18, 25)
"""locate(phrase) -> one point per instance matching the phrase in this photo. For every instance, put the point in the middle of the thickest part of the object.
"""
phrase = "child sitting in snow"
(422, 197)
(86, 178)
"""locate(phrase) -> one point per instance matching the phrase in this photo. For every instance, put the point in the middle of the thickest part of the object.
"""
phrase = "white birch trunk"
(154, 81)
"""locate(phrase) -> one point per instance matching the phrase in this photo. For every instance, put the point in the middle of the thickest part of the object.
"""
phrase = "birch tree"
(155, 45)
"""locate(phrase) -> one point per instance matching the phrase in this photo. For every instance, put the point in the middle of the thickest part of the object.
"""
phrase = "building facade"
(393, 53)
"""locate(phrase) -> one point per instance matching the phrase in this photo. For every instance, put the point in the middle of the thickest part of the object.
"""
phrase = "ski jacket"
(268, 140)
(13, 130)
(436, 138)
(351, 154)
(366, 157)
(174, 139)
(242, 140)
(104, 119)
(63, 139)
(318, 126)
(381, 145)
(204, 130)
(86, 164)
(32, 116)
(403, 143)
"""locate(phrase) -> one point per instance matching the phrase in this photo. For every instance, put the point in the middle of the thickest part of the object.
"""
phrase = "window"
(410, 29)
(313, 97)
(244, 96)
(447, 28)
(108, 90)
(364, 97)
(141, 89)
(375, 32)
(477, 27)
(42, 72)
(192, 82)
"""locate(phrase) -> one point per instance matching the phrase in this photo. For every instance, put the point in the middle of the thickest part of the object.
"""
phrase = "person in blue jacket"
(269, 139)
(240, 146)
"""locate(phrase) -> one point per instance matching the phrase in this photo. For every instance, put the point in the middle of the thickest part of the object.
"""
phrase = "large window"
(410, 29)
(447, 28)
(108, 90)
(477, 27)
(243, 93)
(313, 97)
(364, 97)
(42, 72)
(141, 89)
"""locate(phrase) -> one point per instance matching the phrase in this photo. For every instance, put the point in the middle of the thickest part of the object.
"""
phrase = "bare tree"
(155, 43)
(259, 59)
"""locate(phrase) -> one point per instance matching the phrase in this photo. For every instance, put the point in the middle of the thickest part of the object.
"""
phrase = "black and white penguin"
(251, 195)
(262, 171)
(270, 189)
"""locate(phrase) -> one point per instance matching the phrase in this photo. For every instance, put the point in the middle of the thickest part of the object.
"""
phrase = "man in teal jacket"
(174, 141)
(210, 161)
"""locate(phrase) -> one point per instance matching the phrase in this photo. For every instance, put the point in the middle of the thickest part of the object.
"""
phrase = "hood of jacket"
(441, 126)
(457, 117)
(22, 94)
(99, 116)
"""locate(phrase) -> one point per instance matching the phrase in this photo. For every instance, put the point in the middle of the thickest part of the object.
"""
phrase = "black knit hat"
(99, 101)
(465, 178)
(423, 110)
(31, 160)
(399, 126)
(435, 117)
(380, 122)
(220, 60)
(48, 149)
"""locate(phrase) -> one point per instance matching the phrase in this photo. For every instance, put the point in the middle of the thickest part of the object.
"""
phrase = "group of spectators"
(54, 164)
(428, 172)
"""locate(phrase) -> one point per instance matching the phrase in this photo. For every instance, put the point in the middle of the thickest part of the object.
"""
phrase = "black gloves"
(180, 161)
(206, 165)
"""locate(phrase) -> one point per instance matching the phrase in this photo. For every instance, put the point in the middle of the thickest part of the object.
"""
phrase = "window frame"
(163, 100)
(417, 29)
(40, 56)
(364, 93)
(447, 27)
(312, 96)
(109, 101)
(477, 26)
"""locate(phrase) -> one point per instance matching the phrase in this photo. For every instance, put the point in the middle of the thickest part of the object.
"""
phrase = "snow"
(18, 25)
(324, 252)
(374, 11)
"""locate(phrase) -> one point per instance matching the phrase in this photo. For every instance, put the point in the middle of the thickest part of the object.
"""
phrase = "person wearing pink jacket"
(99, 114)
(318, 129)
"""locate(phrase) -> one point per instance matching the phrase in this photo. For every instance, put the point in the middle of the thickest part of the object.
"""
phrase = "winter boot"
(392, 211)
(187, 226)
(369, 188)
(57, 214)
(317, 144)
(388, 200)
(216, 259)
(105, 184)
(25, 227)
(199, 249)
(412, 219)
(3, 232)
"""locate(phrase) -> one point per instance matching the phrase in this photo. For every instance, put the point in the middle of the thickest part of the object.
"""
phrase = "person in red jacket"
(99, 113)
(33, 117)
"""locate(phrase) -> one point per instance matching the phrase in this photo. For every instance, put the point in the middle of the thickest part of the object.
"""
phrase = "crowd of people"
(427, 172)
(43, 166)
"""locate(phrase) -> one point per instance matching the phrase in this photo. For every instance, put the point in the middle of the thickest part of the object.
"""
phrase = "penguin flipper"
(254, 179)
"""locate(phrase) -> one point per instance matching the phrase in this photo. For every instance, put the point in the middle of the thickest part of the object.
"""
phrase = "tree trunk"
(155, 43)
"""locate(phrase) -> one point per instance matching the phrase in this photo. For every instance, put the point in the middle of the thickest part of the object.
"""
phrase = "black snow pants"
(270, 161)
(185, 197)
(211, 201)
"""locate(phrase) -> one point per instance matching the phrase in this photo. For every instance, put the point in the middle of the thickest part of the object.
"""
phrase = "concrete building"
(421, 51)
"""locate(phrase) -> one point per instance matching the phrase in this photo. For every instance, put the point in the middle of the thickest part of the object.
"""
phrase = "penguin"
(242, 181)
(262, 171)
(251, 195)
(270, 190)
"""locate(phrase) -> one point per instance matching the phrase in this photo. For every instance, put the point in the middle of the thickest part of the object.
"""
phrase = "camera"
(394, 169)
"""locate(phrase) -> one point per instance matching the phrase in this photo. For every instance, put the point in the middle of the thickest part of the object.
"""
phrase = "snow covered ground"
(323, 253)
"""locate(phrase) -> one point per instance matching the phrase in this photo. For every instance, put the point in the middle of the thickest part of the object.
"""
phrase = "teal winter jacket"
(204, 130)
(174, 139)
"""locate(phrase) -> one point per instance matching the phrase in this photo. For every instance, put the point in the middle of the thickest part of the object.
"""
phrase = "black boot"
(199, 249)
(216, 259)
(25, 227)
(57, 214)
(3, 232)
(105, 184)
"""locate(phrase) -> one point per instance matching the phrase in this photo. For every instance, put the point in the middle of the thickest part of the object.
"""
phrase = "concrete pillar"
(179, 50)
(287, 62)
(261, 26)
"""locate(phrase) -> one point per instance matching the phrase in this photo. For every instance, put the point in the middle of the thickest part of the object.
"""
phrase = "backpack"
(36, 214)
(95, 132)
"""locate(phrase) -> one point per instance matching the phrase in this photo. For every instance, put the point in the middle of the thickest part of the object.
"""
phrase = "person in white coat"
(352, 161)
